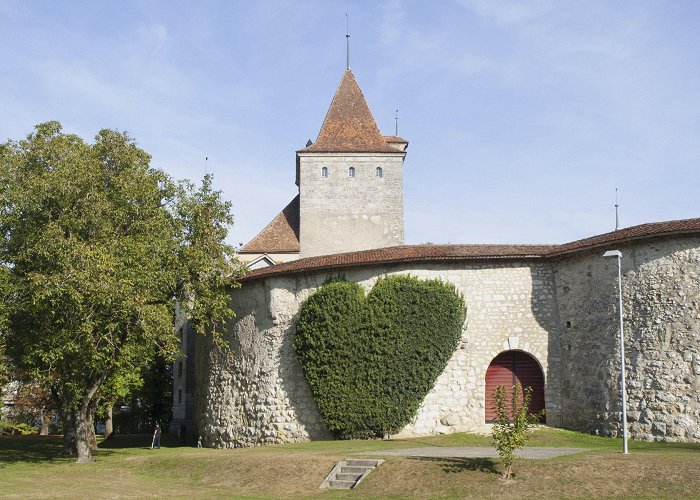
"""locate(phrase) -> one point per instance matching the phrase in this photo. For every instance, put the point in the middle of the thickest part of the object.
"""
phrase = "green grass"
(127, 468)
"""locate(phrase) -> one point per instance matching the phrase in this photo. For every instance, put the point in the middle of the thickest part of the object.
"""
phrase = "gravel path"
(476, 452)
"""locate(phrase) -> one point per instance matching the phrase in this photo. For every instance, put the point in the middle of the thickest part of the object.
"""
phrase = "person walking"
(156, 437)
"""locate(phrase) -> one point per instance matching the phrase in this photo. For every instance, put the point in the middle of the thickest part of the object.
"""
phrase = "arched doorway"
(508, 368)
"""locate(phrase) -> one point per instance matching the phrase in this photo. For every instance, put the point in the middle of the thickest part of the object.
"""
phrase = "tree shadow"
(454, 464)
(144, 441)
(35, 449)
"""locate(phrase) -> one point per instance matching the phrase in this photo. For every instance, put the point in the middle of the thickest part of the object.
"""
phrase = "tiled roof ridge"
(648, 229)
(349, 126)
(281, 235)
(430, 252)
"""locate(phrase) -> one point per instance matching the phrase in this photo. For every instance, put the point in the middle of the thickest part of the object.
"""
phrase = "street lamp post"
(618, 254)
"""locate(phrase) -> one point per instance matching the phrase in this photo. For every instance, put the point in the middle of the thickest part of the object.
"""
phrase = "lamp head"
(613, 253)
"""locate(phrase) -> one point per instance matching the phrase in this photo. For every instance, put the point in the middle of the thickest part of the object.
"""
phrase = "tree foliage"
(95, 247)
(370, 361)
(509, 432)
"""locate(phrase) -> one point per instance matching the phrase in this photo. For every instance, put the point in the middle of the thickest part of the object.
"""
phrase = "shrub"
(510, 427)
(370, 361)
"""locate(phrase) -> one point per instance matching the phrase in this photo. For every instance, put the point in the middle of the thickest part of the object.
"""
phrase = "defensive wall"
(555, 303)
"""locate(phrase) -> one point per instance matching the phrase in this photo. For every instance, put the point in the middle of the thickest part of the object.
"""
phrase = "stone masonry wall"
(661, 307)
(258, 395)
(343, 214)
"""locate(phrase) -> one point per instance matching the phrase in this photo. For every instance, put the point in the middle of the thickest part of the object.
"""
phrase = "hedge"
(370, 361)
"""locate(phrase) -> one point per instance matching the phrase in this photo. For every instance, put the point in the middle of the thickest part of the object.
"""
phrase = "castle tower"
(350, 180)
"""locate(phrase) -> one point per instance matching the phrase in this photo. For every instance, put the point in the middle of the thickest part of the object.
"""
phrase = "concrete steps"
(348, 473)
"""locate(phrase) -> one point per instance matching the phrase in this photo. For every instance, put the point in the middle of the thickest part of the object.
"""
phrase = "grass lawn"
(127, 468)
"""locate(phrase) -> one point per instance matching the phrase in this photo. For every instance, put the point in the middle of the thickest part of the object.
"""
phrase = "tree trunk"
(69, 434)
(84, 431)
(109, 426)
(44, 430)
(92, 439)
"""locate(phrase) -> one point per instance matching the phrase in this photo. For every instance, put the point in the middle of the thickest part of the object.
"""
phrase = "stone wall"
(661, 307)
(339, 213)
(256, 394)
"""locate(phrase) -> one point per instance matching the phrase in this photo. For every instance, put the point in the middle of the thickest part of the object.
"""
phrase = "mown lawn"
(127, 468)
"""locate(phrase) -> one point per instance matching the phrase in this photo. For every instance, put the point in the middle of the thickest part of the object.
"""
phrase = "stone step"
(354, 470)
(361, 462)
(345, 485)
(349, 473)
(347, 477)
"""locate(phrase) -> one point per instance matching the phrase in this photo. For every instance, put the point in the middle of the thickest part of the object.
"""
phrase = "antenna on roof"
(617, 218)
(347, 41)
(206, 164)
(396, 120)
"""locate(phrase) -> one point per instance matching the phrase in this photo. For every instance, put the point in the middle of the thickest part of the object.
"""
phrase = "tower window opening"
(324, 172)
(179, 396)
(378, 172)
(351, 172)
(179, 369)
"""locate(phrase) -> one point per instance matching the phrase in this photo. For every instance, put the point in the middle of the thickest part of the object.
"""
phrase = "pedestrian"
(156, 437)
(199, 442)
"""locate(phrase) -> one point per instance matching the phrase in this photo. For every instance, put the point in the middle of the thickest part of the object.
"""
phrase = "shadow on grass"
(451, 464)
(47, 449)
(144, 441)
(32, 449)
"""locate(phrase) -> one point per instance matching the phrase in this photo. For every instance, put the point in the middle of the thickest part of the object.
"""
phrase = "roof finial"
(617, 219)
(396, 120)
(206, 165)
(347, 41)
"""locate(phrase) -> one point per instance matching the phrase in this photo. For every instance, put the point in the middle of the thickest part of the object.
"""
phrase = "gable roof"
(279, 236)
(349, 126)
(433, 253)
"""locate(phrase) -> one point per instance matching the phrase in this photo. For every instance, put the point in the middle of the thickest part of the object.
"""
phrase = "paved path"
(475, 452)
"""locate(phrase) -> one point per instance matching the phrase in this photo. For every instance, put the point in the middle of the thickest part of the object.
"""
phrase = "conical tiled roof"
(349, 126)
(279, 236)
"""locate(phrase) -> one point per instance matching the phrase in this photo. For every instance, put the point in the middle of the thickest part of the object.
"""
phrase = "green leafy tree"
(96, 245)
(510, 428)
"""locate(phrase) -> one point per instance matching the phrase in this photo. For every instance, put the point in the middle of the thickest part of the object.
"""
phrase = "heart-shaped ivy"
(370, 361)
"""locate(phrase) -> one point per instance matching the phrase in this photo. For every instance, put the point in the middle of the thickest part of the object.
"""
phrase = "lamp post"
(618, 254)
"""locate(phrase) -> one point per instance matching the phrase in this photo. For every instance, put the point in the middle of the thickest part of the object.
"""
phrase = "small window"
(351, 172)
(378, 172)
(179, 370)
(324, 172)
(180, 335)
(179, 396)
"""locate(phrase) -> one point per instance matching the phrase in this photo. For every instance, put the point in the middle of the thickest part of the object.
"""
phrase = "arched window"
(378, 172)
(324, 172)
(351, 172)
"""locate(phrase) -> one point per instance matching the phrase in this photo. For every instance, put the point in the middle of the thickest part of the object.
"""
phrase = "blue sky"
(522, 117)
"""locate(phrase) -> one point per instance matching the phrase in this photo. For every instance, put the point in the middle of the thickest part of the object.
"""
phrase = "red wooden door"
(507, 369)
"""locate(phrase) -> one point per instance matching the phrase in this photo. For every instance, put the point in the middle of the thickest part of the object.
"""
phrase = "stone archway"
(507, 369)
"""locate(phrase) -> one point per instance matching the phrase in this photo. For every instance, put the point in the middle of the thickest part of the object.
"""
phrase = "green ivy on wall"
(370, 361)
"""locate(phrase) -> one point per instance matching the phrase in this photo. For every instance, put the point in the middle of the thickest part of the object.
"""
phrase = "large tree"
(96, 245)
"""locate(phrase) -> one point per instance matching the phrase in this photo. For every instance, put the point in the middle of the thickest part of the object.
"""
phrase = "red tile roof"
(279, 236)
(443, 253)
(394, 138)
(349, 126)
(405, 253)
(631, 233)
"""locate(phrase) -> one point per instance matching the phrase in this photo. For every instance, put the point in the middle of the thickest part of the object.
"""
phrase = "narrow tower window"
(378, 172)
(351, 172)
(324, 172)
